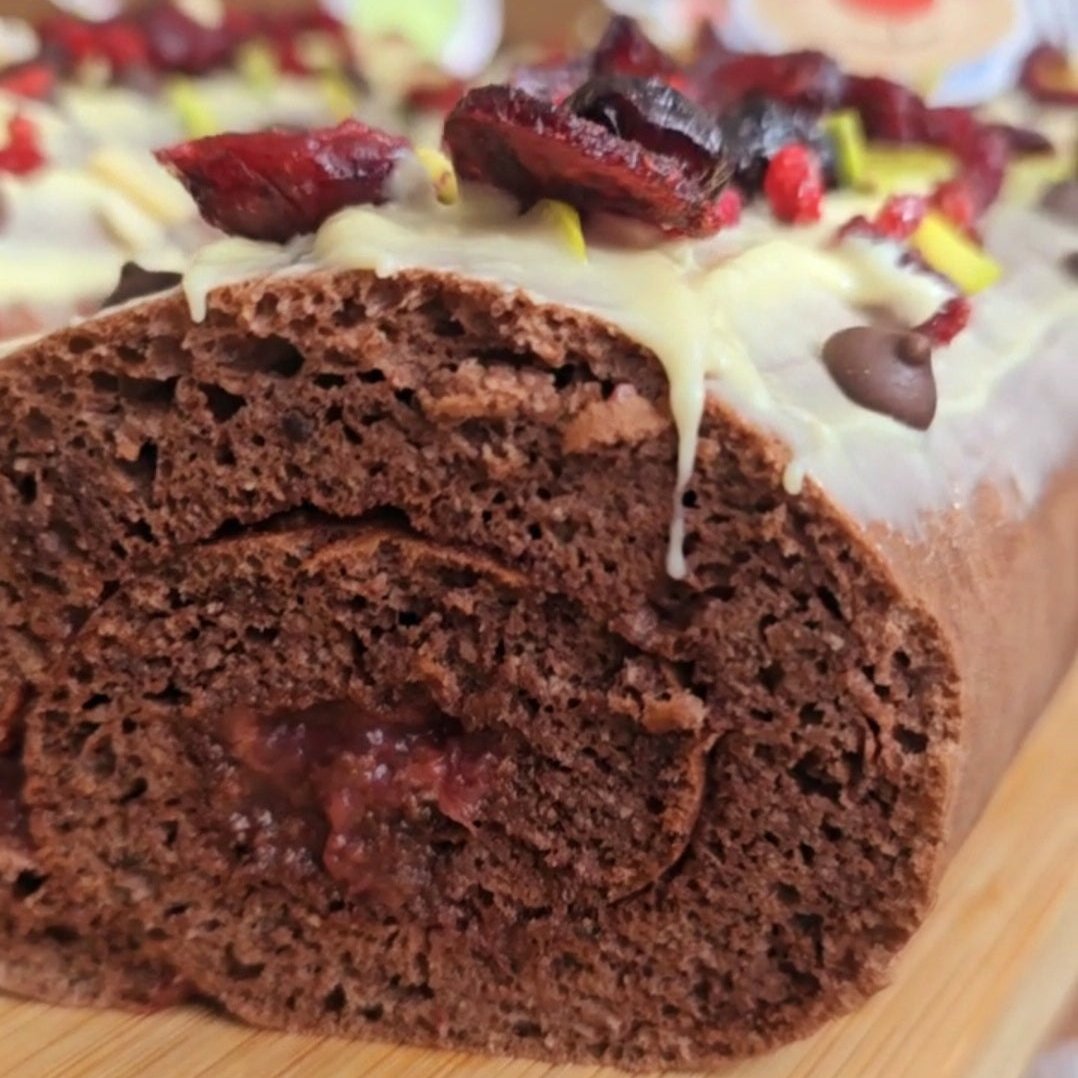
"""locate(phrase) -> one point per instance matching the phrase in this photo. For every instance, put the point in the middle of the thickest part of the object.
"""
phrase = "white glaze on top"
(745, 318)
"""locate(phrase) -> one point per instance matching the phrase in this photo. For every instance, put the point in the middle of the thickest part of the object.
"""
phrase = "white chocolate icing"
(744, 318)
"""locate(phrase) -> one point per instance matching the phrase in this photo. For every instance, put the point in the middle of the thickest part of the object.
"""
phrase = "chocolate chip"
(914, 349)
(1070, 263)
(136, 282)
(888, 371)
(1061, 199)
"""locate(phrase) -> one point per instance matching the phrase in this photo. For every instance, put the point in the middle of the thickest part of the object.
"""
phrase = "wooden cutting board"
(973, 996)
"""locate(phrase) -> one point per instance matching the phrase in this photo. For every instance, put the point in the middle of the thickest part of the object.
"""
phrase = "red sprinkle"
(794, 184)
(948, 321)
(23, 153)
(900, 215)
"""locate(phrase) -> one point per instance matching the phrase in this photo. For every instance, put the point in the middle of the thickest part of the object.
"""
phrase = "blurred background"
(958, 50)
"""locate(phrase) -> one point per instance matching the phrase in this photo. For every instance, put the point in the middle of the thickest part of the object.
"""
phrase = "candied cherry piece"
(624, 49)
(273, 185)
(806, 79)
(1048, 76)
(23, 153)
(756, 129)
(794, 185)
(503, 136)
(657, 117)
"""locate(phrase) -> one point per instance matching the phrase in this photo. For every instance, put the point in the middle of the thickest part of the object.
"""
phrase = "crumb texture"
(341, 683)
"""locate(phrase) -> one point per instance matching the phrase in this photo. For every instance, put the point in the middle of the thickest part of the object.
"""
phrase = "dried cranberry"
(553, 79)
(900, 216)
(34, 80)
(437, 97)
(274, 185)
(948, 321)
(808, 80)
(624, 49)
(66, 42)
(727, 208)
(23, 153)
(287, 34)
(954, 199)
(794, 185)
(888, 110)
(505, 137)
(177, 42)
(1023, 140)
(653, 114)
(894, 113)
(1047, 76)
(757, 128)
(124, 44)
(983, 161)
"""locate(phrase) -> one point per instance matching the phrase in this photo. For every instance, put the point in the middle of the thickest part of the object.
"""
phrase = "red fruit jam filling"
(274, 185)
(388, 785)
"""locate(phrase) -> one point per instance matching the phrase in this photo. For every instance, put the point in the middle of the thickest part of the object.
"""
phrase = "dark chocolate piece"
(889, 371)
(136, 282)
(1061, 199)
(1070, 263)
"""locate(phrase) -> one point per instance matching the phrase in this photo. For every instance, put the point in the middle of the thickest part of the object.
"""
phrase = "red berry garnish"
(948, 321)
(794, 185)
(1047, 76)
(34, 80)
(273, 185)
(505, 137)
(900, 216)
(22, 154)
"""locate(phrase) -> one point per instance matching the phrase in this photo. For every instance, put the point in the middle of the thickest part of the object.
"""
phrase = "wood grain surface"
(977, 991)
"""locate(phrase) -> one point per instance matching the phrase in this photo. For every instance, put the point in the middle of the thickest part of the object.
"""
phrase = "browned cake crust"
(346, 686)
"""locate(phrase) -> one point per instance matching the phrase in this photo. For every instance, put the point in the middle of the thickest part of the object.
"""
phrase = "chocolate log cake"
(521, 631)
